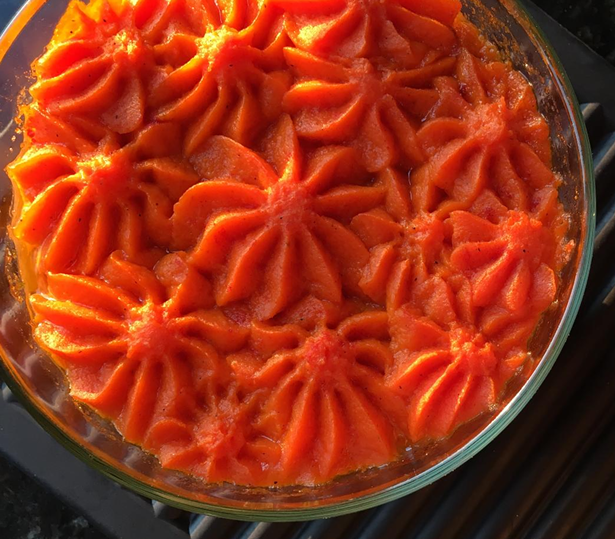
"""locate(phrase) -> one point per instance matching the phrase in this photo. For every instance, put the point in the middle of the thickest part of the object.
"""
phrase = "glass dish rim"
(461, 455)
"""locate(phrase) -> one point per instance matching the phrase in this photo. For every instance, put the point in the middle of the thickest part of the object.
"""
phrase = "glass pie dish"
(42, 388)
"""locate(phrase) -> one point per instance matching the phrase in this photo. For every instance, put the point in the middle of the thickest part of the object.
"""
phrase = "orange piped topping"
(279, 242)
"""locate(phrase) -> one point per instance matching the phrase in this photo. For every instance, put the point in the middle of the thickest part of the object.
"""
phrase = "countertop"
(28, 512)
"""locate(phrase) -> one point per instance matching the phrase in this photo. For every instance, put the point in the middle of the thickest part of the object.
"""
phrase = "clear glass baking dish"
(41, 387)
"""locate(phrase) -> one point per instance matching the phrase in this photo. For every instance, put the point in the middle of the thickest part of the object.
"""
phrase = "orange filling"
(276, 242)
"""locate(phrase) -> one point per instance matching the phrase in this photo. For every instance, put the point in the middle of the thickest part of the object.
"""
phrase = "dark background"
(28, 512)
(593, 21)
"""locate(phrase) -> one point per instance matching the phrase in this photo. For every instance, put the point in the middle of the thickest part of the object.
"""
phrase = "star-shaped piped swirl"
(324, 396)
(486, 135)
(229, 81)
(510, 270)
(355, 103)
(96, 69)
(119, 63)
(288, 219)
(142, 348)
(404, 249)
(79, 207)
(447, 376)
(404, 31)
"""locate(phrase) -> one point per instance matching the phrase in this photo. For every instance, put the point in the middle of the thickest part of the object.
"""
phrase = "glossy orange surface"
(279, 242)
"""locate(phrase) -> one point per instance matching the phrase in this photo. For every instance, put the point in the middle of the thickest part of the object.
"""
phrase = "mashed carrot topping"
(276, 242)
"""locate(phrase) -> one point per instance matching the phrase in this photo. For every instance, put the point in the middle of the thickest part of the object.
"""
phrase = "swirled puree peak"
(277, 242)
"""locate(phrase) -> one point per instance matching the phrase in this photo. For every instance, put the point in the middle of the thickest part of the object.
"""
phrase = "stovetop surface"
(551, 474)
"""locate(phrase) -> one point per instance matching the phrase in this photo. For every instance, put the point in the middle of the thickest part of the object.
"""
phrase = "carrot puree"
(277, 242)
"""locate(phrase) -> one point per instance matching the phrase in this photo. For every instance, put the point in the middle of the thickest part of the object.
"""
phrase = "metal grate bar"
(265, 530)
(606, 221)
(604, 161)
(175, 516)
(392, 519)
(7, 394)
(604, 165)
(593, 114)
(542, 474)
(431, 507)
(604, 168)
(604, 525)
(202, 527)
(335, 528)
(584, 494)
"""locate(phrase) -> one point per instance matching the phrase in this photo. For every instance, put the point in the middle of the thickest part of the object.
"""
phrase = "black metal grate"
(550, 474)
